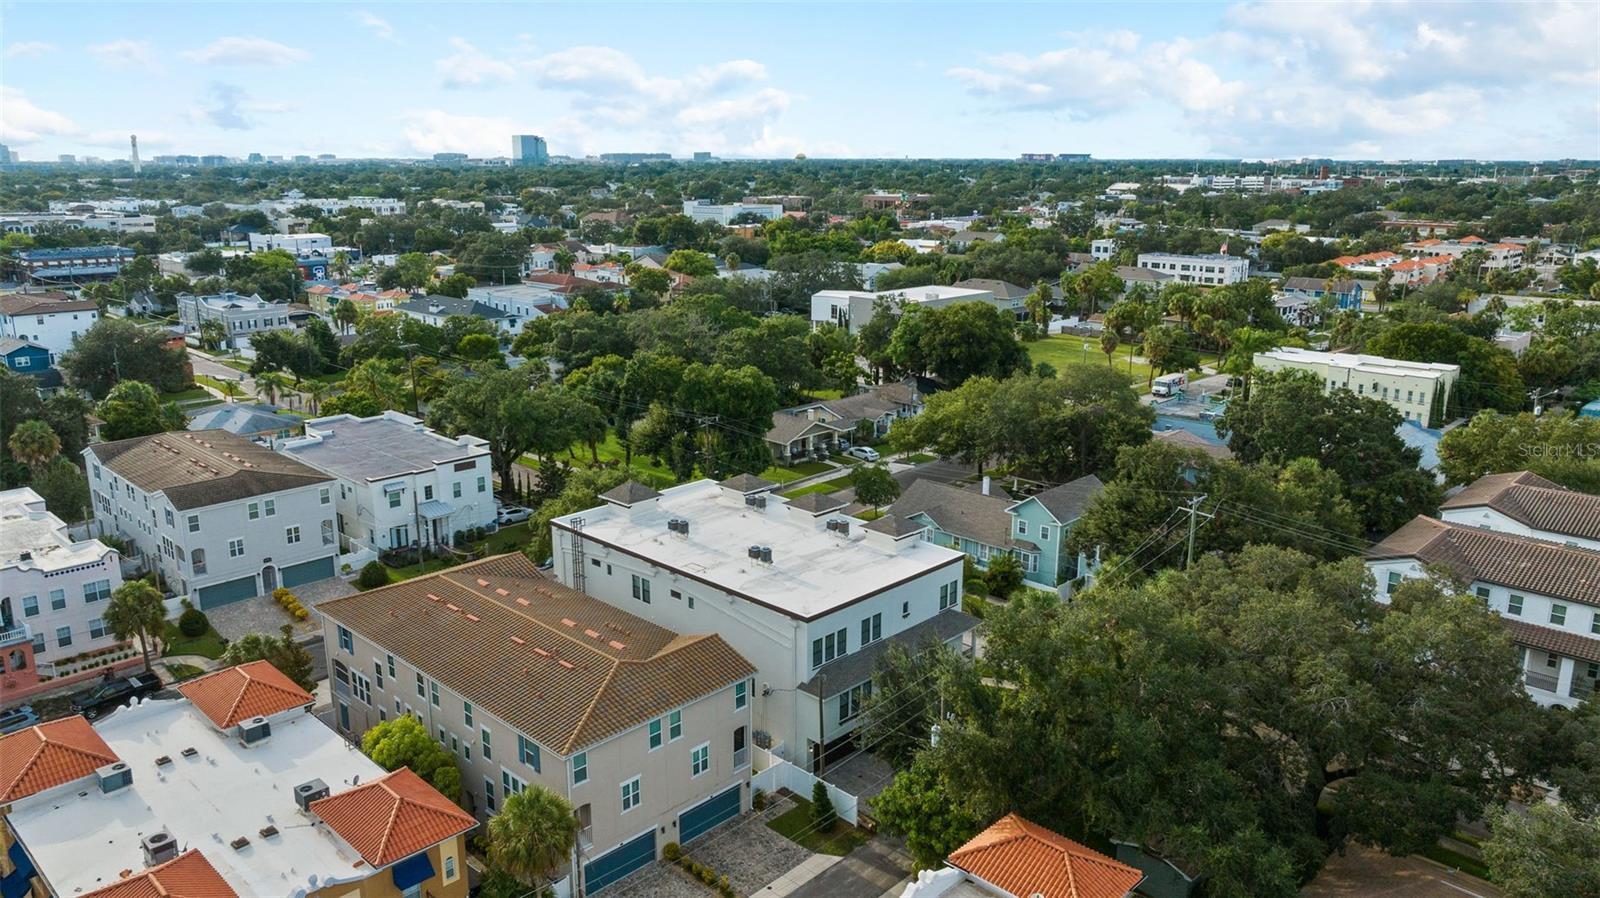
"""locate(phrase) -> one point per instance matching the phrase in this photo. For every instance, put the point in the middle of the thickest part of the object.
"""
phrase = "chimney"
(986, 484)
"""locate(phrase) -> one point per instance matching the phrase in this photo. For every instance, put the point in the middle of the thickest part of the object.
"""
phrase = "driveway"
(263, 614)
(1363, 872)
(868, 872)
(747, 851)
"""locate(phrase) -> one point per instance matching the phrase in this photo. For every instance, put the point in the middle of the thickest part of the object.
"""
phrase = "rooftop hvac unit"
(756, 501)
(766, 554)
(755, 552)
(254, 731)
(159, 847)
(306, 793)
(114, 776)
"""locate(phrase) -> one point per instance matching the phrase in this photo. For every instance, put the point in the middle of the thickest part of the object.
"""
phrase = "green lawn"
(214, 383)
(822, 486)
(506, 539)
(181, 672)
(188, 395)
(917, 458)
(644, 468)
(207, 645)
(235, 364)
(1065, 350)
(788, 473)
(795, 825)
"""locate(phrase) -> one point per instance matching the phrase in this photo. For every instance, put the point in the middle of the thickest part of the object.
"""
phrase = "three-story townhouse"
(646, 732)
(53, 589)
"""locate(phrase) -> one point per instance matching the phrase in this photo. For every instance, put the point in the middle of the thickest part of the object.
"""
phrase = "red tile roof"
(1026, 859)
(393, 817)
(1521, 563)
(1539, 503)
(254, 689)
(48, 755)
(189, 875)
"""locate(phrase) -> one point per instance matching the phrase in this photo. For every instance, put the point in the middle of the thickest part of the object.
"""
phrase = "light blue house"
(983, 521)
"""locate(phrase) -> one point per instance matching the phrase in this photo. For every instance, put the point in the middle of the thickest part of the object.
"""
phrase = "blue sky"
(1119, 80)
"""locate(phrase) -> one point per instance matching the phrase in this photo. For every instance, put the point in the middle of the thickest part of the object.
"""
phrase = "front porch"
(1558, 668)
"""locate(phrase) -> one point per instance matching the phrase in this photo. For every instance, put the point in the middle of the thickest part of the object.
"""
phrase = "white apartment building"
(644, 731)
(1543, 591)
(53, 588)
(1524, 504)
(520, 303)
(299, 244)
(1103, 248)
(726, 213)
(808, 594)
(240, 316)
(52, 320)
(220, 517)
(1212, 269)
(852, 309)
(1420, 391)
(399, 483)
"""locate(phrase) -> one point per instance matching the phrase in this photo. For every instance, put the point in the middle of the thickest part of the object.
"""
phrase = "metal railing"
(741, 757)
(1539, 681)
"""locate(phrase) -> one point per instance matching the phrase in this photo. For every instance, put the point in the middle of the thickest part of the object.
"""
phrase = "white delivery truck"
(1169, 384)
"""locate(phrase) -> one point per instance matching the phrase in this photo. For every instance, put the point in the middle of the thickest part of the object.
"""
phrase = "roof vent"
(756, 500)
(159, 847)
(306, 793)
(254, 731)
(190, 752)
(114, 776)
(239, 843)
(754, 552)
(268, 831)
(163, 761)
(766, 554)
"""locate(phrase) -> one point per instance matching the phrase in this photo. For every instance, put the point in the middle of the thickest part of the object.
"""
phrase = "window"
(827, 648)
(741, 694)
(871, 628)
(528, 752)
(421, 691)
(449, 867)
(63, 637)
(655, 734)
(363, 689)
(1392, 581)
(433, 692)
(511, 784)
(488, 793)
(641, 589)
(950, 595)
(98, 591)
(851, 700)
(58, 598)
(235, 548)
(481, 486)
(194, 523)
(197, 560)
(168, 513)
(394, 499)
(630, 795)
(1558, 614)
(38, 644)
(291, 535)
(1514, 604)
(324, 496)
(700, 760)
(427, 492)
(97, 627)
(1594, 623)
(377, 672)
(580, 768)
(270, 507)
(484, 746)
(905, 610)
(346, 641)
(466, 713)
(1482, 592)
(254, 510)
(327, 533)
(1044, 533)
(674, 726)
(1022, 527)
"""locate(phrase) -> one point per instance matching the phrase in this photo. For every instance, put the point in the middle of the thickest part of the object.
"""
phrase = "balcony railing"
(1582, 687)
(15, 635)
(1539, 681)
(741, 758)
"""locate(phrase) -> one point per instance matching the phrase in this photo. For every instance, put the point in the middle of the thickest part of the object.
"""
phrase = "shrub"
(373, 575)
(281, 593)
(192, 622)
(823, 816)
(670, 852)
(758, 799)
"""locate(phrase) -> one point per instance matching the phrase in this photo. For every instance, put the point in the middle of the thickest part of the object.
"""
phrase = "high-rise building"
(529, 149)
(255, 158)
(133, 143)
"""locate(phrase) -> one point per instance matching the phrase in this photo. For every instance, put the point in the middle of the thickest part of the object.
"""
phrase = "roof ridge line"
(605, 686)
(394, 814)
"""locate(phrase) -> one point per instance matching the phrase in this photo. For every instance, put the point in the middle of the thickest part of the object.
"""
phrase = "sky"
(1252, 80)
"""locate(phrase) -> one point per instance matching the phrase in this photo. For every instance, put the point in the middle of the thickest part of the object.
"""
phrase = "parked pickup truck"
(113, 693)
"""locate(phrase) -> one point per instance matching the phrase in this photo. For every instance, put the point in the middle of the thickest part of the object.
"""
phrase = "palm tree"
(271, 383)
(34, 444)
(1108, 344)
(1241, 357)
(315, 391)
(341, 264)
(230, 388)
(137, 609)
(533, 834)
(346, 314)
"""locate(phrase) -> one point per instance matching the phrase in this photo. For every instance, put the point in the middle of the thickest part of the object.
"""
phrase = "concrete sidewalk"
(803, 873)
(870, 871)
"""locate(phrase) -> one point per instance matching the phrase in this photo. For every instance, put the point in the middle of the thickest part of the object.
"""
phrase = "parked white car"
(512, 514)
(865, 453)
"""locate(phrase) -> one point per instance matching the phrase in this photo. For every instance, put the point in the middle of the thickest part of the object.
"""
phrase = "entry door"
(269, 579)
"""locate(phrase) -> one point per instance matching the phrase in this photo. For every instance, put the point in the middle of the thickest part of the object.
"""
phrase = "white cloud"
(379, 26)
(242, 51)
(471, 67)
(429, 131)
(23, 49)
(124, 54)
(232, 108)
(21, 122)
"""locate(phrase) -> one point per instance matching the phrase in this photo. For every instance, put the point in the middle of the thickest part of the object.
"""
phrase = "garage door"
(223, 593)
(709, 813)
(308, 572)
(619, 862)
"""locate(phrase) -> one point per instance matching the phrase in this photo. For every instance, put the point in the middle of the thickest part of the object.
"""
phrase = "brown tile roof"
(562, 667)
(1573, 645)
(253, 689)
(1530, 499)
(393, 817)
(200, 469)
(1026, 859)
(51, 754)
(1516, 562)
(43, 304)
(189, 875)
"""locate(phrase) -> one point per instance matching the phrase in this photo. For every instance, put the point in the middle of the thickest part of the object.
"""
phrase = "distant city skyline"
(1261, 80)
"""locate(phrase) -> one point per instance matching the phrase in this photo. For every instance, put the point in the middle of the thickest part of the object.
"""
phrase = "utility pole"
(1194, 512)
(1537, 395)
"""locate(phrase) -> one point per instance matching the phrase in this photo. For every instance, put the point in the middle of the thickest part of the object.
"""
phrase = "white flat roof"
(813, 571)
(82, 840)
(925, 293)
(1373, 363)
(377, 448)
(25, 526)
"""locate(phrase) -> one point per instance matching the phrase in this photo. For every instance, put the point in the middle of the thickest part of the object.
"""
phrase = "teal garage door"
(709, 813)
(223, 593)
(307, 572)
(619, 862)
